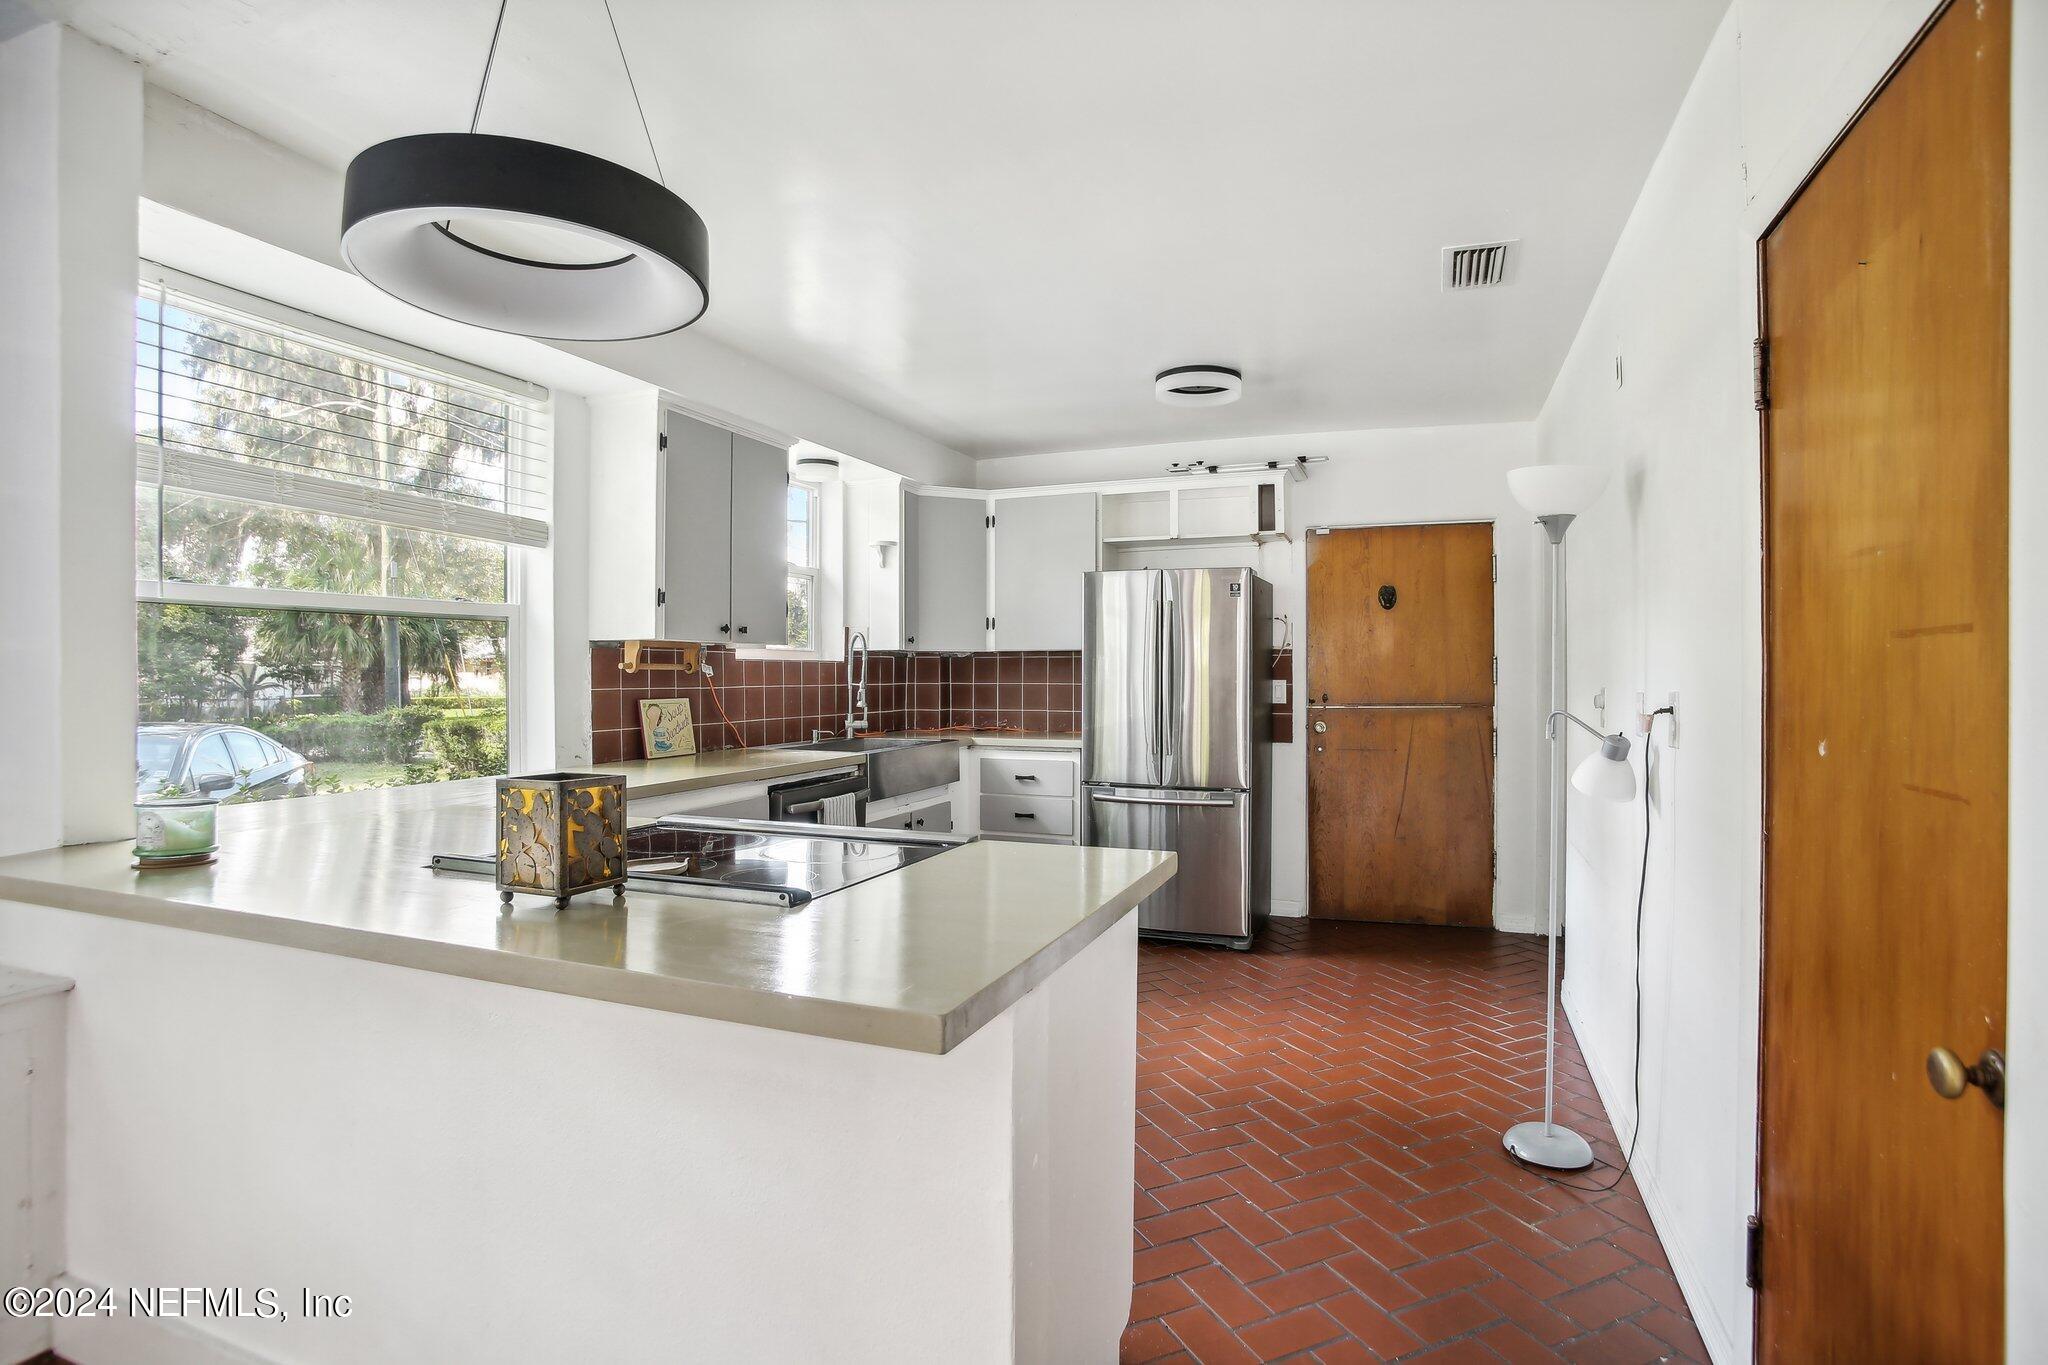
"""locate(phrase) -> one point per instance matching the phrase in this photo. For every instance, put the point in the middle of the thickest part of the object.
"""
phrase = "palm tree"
(245, 680)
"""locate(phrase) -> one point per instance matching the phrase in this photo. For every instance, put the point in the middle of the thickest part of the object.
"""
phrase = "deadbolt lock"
(1950, 1078)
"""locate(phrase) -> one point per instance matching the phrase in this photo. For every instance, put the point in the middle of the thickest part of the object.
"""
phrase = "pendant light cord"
(632, 87)
(635, 90)
(490, 59)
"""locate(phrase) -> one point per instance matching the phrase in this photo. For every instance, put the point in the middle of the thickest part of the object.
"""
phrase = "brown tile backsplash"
(780, 701)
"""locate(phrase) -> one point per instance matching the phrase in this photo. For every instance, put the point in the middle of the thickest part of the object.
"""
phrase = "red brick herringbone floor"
(1320, 1174)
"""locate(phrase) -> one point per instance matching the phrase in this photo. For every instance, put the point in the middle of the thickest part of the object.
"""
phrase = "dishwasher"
(804, 801)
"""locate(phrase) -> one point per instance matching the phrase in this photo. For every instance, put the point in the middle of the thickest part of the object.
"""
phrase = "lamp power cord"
(1636, 1080)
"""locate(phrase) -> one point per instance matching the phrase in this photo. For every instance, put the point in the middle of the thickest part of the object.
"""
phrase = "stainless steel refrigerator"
(1176, 739)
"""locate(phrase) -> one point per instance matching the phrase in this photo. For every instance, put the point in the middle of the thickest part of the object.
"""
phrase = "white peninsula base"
(492, 1173)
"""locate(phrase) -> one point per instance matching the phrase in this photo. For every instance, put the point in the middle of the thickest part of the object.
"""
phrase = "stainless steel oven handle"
(1107, 799)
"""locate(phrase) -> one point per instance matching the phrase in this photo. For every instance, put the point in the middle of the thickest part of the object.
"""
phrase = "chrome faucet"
(857, 698)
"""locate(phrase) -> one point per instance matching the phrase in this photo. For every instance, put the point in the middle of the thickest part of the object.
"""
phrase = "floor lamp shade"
(1553, 490)
(1605, 776)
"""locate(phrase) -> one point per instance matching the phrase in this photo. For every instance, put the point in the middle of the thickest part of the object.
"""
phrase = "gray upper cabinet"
(1044, 545)
(709, 559)
(697, 530)
(945, 573)
(760, 543)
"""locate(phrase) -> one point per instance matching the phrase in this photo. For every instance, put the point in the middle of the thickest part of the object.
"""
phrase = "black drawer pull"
(1022, 815)
(1026, 777)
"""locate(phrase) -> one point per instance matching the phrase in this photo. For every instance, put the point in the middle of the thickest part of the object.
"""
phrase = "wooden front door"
(1885, 302)
(1400, 690)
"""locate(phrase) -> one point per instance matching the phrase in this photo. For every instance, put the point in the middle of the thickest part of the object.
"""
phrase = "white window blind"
(234, 403)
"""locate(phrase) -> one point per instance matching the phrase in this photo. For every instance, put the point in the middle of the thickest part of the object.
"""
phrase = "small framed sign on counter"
(666, 728)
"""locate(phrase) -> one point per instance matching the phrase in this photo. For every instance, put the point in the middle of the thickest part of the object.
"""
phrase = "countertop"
(918, 959)
(692, 772)
(1002, 739)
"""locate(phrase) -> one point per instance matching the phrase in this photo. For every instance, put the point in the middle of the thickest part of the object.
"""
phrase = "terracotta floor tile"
(1290, 1332)
(1146, 1342)
(1220, 1291)
(1207, 1338)
(1319, 1172)
(1297, 1287)
(1451, 1316)
(1156, 1263)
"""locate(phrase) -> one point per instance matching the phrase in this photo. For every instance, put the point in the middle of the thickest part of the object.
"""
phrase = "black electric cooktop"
(793, 863)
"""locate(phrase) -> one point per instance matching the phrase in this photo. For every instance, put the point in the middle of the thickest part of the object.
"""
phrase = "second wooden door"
(1400, 686)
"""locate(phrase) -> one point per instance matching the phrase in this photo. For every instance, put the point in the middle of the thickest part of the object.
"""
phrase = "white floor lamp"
(1557, 493)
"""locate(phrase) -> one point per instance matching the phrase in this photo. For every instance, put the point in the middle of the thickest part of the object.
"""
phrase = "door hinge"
(661, 441)
(1760, 373)
(661, 597)
(991, 521)
(1496, 743)
(1496, 864)
(1496, 568)
(1496, 670)
(1753, 1254)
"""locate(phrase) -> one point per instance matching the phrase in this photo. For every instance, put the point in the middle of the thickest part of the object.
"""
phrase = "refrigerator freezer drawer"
(1210, 895)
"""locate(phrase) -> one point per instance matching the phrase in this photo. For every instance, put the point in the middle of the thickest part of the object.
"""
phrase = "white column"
(70, 169)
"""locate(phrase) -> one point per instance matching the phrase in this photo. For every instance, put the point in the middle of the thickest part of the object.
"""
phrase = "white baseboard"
(1714, 1333)
(121, 1339)
(1288, 910)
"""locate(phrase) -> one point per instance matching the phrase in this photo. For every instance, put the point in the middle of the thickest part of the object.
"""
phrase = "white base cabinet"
(1027, 795)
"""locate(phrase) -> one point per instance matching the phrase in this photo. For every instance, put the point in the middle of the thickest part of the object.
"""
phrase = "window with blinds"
(237, 406)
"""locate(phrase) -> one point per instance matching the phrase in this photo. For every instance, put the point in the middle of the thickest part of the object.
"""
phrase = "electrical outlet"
(1279, 697)
(1600, 707)
(1642, 713)
(1671, 723)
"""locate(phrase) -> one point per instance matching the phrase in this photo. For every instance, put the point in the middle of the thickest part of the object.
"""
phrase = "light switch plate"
(1279, 691)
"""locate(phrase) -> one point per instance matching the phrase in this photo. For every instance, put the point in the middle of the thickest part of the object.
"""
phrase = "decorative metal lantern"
(560, 834)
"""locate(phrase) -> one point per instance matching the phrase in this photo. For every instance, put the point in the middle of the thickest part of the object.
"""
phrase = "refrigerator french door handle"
(1112, 800)
(1158, 677)
(1169, 672)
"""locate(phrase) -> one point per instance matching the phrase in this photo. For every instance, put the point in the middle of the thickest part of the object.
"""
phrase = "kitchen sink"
(900, 764)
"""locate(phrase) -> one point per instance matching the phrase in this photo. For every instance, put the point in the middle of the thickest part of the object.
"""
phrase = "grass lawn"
(349, 777)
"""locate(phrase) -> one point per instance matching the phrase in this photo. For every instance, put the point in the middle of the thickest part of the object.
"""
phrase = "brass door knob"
(1950, 1078)
(1322, 727)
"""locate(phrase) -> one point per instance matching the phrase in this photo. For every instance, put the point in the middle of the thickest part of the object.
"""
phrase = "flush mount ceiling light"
(1198, 386)
(526, 237)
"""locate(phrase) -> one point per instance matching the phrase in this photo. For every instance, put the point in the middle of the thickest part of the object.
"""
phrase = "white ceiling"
(995, 221)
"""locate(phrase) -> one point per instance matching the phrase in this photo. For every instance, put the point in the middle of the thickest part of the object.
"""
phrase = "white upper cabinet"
(874, 561)
(687, 528)
(945, 573)
(1043, 547)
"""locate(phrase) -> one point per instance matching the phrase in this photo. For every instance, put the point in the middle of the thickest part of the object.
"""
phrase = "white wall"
(1666, 595)
(70, 162)
(2026, 1115)
(200, 163)
(1425, 474)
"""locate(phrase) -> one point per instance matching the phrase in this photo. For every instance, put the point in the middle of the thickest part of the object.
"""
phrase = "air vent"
(1480, 266)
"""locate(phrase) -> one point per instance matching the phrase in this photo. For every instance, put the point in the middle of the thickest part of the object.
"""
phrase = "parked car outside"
(231, 762)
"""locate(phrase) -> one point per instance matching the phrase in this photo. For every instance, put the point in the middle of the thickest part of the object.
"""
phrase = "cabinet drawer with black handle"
(1047, 816)
(1015, 775)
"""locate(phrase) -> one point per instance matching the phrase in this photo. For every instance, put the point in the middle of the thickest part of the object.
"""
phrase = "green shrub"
(460, 746)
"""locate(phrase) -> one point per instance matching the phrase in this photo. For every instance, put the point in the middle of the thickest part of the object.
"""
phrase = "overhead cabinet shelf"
(1202, 513)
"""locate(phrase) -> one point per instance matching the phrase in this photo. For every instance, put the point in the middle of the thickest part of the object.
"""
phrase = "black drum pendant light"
(526, 237)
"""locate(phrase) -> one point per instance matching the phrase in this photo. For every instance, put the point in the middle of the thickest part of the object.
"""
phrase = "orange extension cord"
(712, 688)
